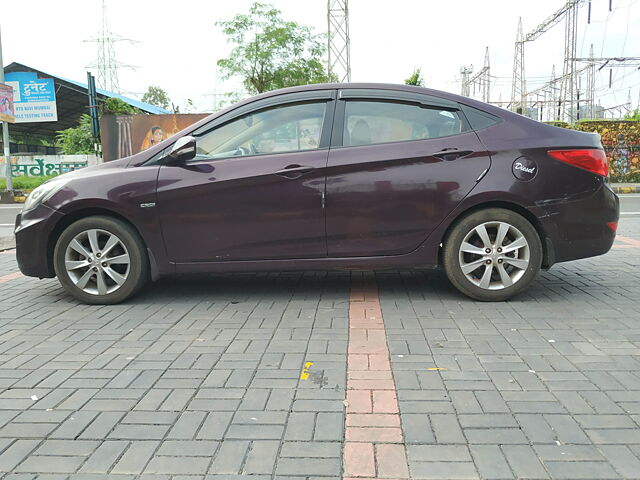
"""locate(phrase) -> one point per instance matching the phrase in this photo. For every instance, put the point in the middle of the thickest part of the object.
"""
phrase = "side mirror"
(183, 150)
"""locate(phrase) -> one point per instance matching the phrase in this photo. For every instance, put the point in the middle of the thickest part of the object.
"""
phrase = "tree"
(77, 140)
(272, 53)
(157, 96)
(415, 78)
(116, 106)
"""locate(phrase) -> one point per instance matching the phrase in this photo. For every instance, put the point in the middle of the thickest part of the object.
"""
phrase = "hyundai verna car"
(330, 176)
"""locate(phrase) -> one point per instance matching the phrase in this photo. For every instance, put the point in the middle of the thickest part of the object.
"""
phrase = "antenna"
(106, 63)
(338, 37)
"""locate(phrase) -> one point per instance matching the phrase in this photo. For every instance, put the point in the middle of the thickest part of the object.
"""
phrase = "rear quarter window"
(479, 119)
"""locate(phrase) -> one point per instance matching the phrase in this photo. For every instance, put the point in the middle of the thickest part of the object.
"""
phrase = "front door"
(255, 189)
(397, 168)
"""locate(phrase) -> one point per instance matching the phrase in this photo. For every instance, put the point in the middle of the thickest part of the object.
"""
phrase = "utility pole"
(5, 132)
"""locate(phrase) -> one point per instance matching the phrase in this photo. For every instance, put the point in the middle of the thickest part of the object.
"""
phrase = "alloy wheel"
(494, 255)
(97, 262)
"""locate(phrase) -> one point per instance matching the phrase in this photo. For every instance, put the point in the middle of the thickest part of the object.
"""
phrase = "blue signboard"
(34, 98)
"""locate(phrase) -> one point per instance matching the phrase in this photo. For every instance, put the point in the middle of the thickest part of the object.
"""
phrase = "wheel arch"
(79, 214)
(548, 257)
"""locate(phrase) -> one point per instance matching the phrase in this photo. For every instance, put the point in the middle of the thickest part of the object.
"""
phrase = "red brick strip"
(627, 242)
(10, 276)
(374, 445)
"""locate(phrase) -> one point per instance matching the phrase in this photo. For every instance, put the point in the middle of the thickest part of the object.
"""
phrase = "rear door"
(399, 164)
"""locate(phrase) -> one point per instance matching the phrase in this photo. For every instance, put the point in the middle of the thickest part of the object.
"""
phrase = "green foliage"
(272, 53)
(415, 78)
(25, 183)
(157, 96)
(116, 106)
(635, 115)
(77, 140)
(633, 177)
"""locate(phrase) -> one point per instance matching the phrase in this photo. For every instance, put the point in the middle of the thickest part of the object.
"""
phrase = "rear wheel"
(492, 254)
(101, 260)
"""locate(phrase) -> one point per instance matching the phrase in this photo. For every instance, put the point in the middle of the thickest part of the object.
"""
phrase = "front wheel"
(101, 260)
(492, 254)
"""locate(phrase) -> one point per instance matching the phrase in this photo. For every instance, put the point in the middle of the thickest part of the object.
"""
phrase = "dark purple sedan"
(330, 176)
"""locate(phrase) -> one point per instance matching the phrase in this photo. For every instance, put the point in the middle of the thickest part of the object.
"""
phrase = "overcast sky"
(177, 42)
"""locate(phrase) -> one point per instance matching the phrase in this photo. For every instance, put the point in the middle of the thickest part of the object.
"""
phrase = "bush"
(25, 183)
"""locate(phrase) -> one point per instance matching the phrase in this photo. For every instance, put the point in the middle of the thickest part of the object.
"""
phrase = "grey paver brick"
(623, 460)
(581, 470)
(524, 462)
(230, 457)
(103, 458)
(309, 466)
(15, 453)
(329, 427)
(134, 460)
(178, 465)
(490, 462)
(261, 457)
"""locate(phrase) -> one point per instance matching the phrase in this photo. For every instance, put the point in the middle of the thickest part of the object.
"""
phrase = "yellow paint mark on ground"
(305, 371)
(436, 368)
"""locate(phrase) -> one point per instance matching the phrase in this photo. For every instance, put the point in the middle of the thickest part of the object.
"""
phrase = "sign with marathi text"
(34, 98)
(6, 103)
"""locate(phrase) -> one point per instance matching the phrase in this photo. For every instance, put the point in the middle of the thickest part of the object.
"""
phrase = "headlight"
(43, 193)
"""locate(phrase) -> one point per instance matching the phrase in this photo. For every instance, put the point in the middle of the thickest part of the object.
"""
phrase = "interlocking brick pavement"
(254, 376)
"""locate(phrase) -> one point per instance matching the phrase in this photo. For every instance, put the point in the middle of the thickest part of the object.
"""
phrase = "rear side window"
(372, 122)
(479, 119)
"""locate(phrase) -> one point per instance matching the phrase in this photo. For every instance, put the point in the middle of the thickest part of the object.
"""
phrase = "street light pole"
(5, 132)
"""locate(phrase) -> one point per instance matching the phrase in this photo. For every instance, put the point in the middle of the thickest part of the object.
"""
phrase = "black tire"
(452, 255)
(138, 269)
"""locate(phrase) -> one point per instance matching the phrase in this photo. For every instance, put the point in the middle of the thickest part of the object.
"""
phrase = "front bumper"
(33, 230)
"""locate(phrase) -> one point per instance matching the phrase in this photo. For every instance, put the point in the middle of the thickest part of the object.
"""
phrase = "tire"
(514, 262)
(78, 266)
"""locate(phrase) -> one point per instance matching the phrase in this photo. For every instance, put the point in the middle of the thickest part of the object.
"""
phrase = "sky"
(177, 44)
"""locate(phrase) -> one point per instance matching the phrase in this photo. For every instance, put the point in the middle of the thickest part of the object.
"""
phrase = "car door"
(255, 189)
(399, 164)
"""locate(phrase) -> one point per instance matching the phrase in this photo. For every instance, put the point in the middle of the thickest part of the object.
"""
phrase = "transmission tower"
(338, 37)
(481, 80)
(106, 63)
(568, 84)
(466, 85)
(518, 85)
(591, 86)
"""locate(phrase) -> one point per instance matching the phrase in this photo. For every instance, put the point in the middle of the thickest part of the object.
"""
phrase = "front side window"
(371, 122)
(289, 128)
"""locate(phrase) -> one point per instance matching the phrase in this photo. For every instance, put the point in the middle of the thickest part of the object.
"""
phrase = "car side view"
(330, 176)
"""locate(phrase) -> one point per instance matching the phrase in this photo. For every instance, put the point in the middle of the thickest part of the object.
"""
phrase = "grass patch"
(25, 183)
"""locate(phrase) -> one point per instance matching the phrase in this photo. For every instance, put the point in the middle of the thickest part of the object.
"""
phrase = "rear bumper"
(33, 230)
(578, 229)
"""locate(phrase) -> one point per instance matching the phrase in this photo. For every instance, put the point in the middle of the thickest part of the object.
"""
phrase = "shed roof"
(71, 101)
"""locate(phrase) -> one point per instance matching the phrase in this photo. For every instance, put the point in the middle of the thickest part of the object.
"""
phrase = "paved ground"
(247, 375)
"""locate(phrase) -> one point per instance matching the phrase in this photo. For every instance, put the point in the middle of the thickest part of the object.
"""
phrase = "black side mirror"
(183, 150)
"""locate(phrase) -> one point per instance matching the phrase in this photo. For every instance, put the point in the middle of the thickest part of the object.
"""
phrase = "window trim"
(340, 117)
(325, 132)
(328, 96)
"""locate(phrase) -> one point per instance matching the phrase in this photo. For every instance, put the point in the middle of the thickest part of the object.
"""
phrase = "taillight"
(593, 160)
(613, 225)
